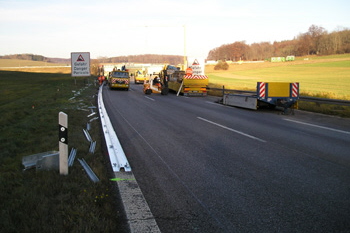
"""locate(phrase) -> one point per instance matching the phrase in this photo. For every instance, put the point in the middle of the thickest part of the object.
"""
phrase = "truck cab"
(119, 79)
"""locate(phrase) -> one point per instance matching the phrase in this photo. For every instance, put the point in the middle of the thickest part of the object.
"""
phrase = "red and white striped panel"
(295, 89)
(122, 80)
(262, 89)
(195, 77)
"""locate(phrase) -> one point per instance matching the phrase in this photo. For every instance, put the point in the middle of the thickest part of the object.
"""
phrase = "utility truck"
(119, 79)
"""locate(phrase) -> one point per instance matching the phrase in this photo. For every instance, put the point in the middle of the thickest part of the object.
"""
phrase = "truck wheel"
(165, 91)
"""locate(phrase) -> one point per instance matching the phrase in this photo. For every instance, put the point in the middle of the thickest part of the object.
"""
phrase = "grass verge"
(44, 201)
(329, 109)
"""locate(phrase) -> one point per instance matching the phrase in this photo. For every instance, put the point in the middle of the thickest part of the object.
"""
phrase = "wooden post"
(63, 142)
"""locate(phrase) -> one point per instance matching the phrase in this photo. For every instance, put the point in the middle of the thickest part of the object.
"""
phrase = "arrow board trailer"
(268, 94)
(80, 64)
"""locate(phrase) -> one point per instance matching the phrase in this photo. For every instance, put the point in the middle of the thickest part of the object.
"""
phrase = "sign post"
(63, 142)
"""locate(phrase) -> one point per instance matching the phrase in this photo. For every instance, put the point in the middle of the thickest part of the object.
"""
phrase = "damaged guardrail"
(56, 160)
(117, 156)
(89, 171)
(71, 156)
(46, 160)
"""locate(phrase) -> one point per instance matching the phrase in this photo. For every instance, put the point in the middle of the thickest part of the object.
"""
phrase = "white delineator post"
(63, 142)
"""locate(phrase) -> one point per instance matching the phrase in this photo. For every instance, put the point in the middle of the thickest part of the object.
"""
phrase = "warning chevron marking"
(195, 76)
(80, 58)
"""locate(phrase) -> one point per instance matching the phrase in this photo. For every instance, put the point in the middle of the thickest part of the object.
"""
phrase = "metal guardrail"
(116, 153)
(325, 101)
(301, 98)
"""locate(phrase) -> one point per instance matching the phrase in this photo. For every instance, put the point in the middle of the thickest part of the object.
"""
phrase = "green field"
(327, 77)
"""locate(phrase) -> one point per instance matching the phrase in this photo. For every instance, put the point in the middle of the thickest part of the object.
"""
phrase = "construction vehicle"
(268, 94)
(119, 79)
(156, 85)
(187, 84)
(140, 76)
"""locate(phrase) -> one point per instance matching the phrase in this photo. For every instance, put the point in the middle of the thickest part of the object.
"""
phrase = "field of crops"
(33, 66)
(327, 76)
(21, 63)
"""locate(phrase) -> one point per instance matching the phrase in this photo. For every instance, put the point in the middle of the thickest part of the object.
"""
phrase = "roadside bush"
(222, 65)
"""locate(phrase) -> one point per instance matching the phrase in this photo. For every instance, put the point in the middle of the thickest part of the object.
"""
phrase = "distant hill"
(31, 57)
(34, 57)
(144, 58)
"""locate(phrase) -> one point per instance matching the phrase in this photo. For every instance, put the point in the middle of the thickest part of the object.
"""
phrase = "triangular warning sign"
(195, 62)
(80, 58)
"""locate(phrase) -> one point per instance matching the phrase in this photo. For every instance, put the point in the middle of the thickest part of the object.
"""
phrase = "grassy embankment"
(46, 201)
(324, 77)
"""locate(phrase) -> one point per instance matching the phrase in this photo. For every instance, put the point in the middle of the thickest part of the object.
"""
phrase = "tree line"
(143, 58)
(316, 41)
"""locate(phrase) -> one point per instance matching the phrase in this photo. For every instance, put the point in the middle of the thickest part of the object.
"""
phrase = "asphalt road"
(205, 167)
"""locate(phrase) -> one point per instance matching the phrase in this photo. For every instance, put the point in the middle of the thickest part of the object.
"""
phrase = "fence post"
(223, 90)
(63, 142)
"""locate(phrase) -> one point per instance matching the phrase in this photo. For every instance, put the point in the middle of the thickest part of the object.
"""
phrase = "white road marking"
(209, 102)
(318, 126)
(233, 130)
(150, 98)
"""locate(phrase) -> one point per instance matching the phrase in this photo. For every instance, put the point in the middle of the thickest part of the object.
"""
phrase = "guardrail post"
(63, 142)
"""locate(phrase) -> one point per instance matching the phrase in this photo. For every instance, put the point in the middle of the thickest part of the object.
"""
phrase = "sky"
(110, 28)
